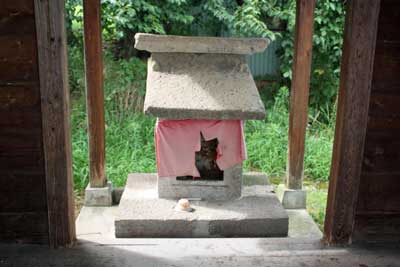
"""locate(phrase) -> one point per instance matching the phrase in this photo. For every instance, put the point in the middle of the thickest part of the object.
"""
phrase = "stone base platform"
(258, 213)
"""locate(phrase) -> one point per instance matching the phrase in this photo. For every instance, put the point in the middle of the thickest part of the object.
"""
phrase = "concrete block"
(229, 188)
(292, 199)
(190, 44)
(99, 196)
(142, 214)
(221, 84)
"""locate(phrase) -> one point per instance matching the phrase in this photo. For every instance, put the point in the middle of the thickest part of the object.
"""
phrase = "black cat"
(205, 161)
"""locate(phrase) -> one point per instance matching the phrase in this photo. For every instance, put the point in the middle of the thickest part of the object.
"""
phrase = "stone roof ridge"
(156, 43)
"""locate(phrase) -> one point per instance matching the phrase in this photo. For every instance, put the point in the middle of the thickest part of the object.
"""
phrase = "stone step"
(258, 213)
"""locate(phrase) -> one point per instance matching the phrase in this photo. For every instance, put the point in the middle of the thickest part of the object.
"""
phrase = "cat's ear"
(216, 142)
(202, 137)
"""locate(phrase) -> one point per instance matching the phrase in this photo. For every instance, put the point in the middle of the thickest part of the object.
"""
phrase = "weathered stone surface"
(95, 250)
(302, 225)
(201, 86)
(255, 178)
(102, 196)
(292, 199)
(229, 188)
(190, 44)
(142, 214)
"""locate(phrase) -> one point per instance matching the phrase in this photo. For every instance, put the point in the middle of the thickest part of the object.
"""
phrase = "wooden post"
(300, 91)
(53, 76)
(352, 117)
(94, 91)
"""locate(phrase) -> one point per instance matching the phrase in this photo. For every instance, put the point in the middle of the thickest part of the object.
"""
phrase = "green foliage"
(121, 19)
(327, 45)
(260, 17)
(145, 16)
(74, 22)
(257, 17)
(124, 81)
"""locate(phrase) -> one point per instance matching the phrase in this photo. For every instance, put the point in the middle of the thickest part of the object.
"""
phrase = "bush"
(122, 19)
(327, 48)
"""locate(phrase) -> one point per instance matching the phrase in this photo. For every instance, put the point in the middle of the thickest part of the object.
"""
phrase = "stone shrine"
(195, 82)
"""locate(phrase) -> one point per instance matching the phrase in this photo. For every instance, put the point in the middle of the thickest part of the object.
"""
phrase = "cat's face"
(208, 147)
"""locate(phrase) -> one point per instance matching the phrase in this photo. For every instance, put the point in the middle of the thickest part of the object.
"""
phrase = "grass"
(130, 141)
(316, 203)
(129, 146)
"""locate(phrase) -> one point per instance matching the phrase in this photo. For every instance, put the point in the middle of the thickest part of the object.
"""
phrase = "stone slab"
(190, 44)
(97, 223)
(142, 214)
(201, 86)
(229, 188)
(98, 196)
(302, 225)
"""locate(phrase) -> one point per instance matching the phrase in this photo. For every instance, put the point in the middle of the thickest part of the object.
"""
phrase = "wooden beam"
(94, 91)
(300, 91)
(53, 76)
(352, 115)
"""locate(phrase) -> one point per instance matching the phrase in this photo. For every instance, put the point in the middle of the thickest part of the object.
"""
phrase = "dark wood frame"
(94, 92)
(352, 116)
(53, 75)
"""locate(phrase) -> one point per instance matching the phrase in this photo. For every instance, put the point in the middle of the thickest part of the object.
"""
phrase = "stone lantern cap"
(201, 77)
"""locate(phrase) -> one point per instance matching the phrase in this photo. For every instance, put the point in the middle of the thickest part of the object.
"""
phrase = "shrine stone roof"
(201, 85)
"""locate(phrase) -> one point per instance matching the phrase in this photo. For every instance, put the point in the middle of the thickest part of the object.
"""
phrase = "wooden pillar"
(94, 91)
(300, 91)
(352, 117)
(54, 91)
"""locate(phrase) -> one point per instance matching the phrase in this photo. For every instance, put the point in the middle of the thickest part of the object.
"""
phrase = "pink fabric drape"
(178, 140)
